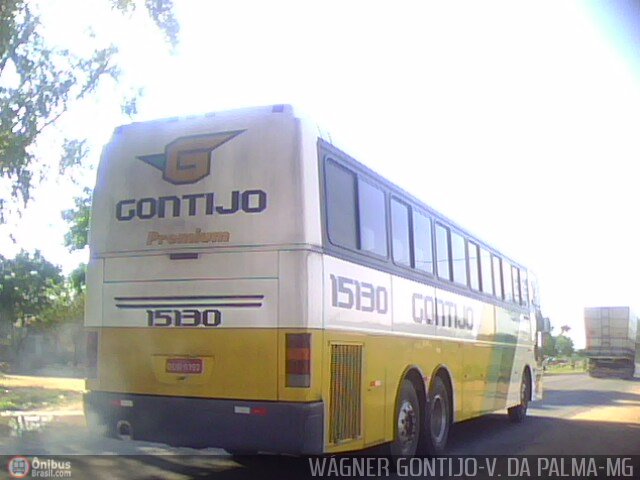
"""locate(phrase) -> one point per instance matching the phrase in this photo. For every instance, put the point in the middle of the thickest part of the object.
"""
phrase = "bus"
(253, 288)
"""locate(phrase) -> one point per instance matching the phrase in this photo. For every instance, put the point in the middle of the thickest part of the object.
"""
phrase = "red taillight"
(298, 360)
(92, 354)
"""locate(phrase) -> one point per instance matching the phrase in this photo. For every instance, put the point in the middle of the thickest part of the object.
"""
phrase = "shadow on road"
(587, 398)
(495, 435)
(489, 435)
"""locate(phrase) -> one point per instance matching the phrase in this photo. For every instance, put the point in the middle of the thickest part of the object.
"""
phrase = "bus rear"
(200, 284)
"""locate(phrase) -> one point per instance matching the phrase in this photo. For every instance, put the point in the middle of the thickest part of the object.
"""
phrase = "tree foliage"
(564, 345)
(39, 82)
(78, 279)
(558, 345)
(550, 347)
(27, 283)
(35, 296)
(161, 11)
(77, 218)
(66, 305)
(42, 81)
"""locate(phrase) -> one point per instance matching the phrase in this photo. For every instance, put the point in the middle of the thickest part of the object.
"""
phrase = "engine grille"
(345, 393)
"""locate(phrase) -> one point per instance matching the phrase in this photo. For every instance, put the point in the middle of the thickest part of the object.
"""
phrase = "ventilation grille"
(345, 401)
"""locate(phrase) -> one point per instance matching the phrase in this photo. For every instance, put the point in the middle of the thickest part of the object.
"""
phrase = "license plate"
(188, 366)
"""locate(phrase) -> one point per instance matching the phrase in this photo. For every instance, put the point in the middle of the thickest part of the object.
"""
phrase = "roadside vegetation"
(34, 398)
(565, 364)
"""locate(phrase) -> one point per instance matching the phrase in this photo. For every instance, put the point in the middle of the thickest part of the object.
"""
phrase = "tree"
(564, 328)
(77, 218)
(34, 294)
(564, 345)
(550, 347)
(39, 82)
(78, 280)
(26, 285)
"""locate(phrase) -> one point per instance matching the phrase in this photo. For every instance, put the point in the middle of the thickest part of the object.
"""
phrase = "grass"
(563, 369)
(32, 398)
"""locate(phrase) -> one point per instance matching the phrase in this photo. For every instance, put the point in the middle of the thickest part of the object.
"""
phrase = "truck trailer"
(613, 341)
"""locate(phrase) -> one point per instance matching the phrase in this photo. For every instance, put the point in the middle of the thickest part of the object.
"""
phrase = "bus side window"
(442, 252)
(507, 282)
(458, 259)
(373, 219)
(340, 186)
(474, 270)
(422, 246)
(524, 287)
(497, 276)
(486, 274)
(515, 271)
(400, 244)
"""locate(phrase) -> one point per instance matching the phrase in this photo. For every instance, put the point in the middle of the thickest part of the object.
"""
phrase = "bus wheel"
(438, 417)
(407, 434)
(517, 413)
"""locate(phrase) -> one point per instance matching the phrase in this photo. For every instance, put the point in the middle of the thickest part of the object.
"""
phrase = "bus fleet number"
(184, 318)
(365, 297)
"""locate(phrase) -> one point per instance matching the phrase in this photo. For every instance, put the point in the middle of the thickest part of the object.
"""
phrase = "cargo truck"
(613, 341)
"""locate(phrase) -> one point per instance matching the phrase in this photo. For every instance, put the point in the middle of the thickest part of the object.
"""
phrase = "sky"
(518, 120)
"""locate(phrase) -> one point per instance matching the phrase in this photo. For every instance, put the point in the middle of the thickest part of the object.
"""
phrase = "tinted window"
(373, 219)
(341, 205)
(459, 259)
(442, 252)
(422, 249)
(497, 277)
(524, 287)
(401, 248)
(474, 270)
(485, 272)
(507, 282)
(535, 291)
(516, 285)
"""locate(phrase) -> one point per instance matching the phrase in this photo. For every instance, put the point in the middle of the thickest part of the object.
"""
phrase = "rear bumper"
(247, 426)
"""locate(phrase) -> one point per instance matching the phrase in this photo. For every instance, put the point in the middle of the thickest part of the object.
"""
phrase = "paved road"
(579, 416)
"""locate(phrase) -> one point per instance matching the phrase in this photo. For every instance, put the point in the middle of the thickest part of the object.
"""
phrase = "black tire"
(518, 413)
(408, 422)
(438, 418)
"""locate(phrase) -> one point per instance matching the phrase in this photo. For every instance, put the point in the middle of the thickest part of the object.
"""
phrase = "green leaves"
(77, 237)
(39, 83)
(33, 291)
(26, 282)
(74, 151)
(160, 11)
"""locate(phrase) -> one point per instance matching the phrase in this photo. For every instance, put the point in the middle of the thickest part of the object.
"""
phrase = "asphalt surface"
(578, 416)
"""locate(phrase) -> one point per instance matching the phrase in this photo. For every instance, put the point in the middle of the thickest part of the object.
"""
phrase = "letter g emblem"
(189, 158)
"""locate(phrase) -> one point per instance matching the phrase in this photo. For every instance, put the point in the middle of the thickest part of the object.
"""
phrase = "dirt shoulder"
(24, 393)
(57, 383)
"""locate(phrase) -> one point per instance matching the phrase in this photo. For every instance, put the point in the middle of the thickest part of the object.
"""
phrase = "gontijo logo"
(19, 467)
(188, 159)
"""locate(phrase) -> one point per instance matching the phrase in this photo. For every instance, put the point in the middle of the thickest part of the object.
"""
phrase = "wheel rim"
(407, 422)
(438, 419)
